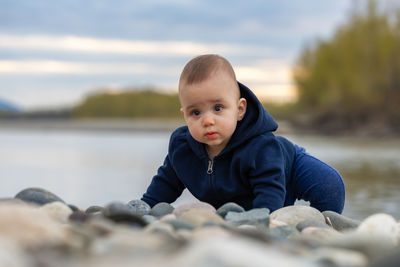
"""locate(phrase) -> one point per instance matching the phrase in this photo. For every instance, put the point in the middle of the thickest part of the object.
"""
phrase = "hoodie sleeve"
(267, 176)
(165, 185)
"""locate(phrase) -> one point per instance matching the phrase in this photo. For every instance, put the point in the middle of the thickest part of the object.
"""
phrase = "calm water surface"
(93, 168)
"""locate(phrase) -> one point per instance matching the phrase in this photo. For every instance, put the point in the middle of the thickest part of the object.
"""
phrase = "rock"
(224, 251)
(276, 223)
(58, 211)
(149, 218)
(79, 216)
(168, 217)
(199, 217)
(11, 200)
(121, 213)
(254, 232)
(257, 217)
(73, 207)
(340, 222)
(161, 209)
(29, 226)
(160, 227)
(320, 234)
(294, 214)
(339, 257)
(12, 255)
(382, 225)
(310, 223)
(94, 209)
(230, 206)
(100, 226)
(116, 207)
(205, 233)
(373, 246)
(247, 227)
(284, 231)
(139, 207)
(211, 224)
(194, 205)
(38, 196)
(180, 224)
(127, 246)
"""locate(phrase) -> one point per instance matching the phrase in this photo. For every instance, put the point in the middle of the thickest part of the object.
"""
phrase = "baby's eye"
(218, 108)
(195, 112)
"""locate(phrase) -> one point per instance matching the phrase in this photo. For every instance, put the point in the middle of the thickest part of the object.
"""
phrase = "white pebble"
(381, 225)
(58, 211)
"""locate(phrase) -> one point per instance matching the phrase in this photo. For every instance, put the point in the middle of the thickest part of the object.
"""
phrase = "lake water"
(96, 167)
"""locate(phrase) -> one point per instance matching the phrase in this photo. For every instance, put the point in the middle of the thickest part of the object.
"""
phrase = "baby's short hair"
(201, 67)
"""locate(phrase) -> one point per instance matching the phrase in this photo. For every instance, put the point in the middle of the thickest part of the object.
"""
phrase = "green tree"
(356, 74)
(130, 104)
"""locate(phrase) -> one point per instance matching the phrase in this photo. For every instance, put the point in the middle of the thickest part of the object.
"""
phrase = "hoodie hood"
(256, 121)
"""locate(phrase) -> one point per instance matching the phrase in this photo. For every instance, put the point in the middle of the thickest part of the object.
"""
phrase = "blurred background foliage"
(148, 103)
(134, 103)
(353, 79)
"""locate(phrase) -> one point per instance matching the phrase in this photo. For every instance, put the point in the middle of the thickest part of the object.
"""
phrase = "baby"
(228, 153)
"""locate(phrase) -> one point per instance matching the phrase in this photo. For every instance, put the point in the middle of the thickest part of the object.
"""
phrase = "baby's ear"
(182, 112)
(242, 105)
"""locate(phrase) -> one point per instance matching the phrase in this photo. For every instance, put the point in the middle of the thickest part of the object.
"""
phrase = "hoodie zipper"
(210, 171)
(210, 166)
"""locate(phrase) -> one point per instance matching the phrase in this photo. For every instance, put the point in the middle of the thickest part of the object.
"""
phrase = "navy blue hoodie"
(252, 170)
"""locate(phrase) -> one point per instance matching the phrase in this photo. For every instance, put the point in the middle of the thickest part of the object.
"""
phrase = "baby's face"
(212, 109)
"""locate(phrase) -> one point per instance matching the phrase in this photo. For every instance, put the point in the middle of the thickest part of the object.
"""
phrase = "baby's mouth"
(211, 135)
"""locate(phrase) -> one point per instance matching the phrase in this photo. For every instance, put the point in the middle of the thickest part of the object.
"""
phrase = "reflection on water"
(96, 167)
(371, 190)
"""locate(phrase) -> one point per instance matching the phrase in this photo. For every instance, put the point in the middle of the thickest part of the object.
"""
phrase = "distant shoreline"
(118, 125)
(115, 125)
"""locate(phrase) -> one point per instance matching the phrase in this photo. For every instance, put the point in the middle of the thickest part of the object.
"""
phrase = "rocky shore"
(37, 228)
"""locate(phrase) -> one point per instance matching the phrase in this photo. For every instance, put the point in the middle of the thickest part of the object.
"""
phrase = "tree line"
(133, 103)
(353, 78)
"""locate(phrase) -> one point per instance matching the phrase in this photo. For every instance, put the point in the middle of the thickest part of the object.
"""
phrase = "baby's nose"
(208, 120)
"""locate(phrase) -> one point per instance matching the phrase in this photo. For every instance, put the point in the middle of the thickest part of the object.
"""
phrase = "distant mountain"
(7, 107)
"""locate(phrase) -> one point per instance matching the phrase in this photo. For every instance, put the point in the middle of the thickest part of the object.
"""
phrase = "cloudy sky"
(55, 52)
